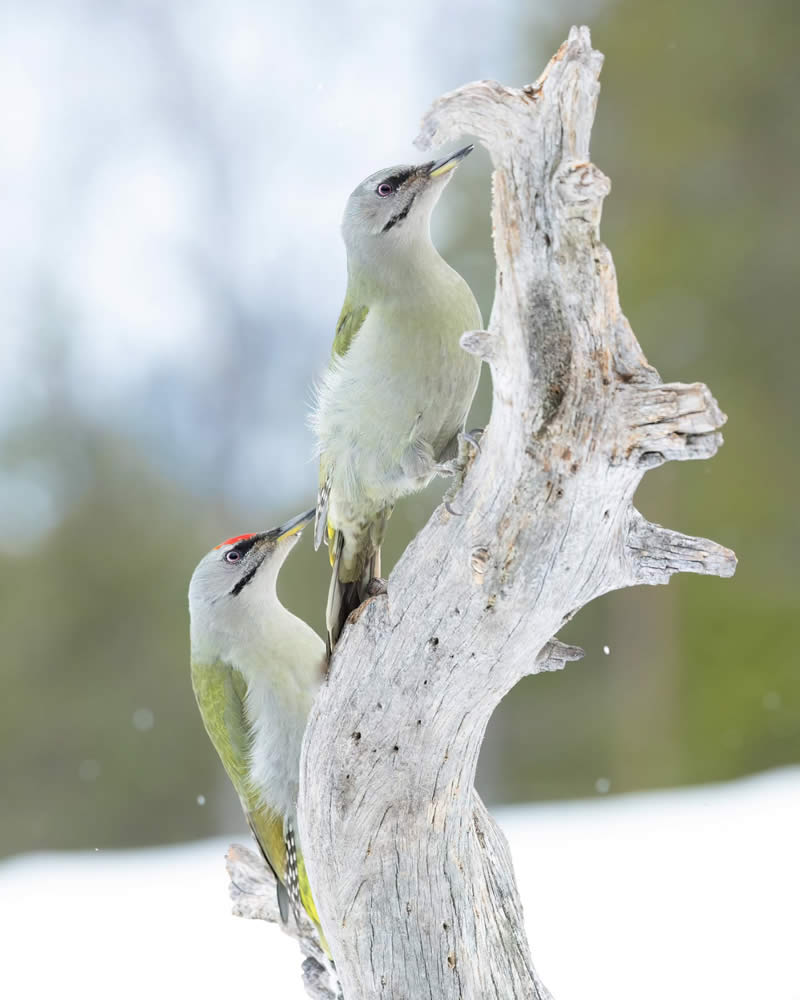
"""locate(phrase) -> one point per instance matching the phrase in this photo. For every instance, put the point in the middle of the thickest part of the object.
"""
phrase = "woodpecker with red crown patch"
(255, 670)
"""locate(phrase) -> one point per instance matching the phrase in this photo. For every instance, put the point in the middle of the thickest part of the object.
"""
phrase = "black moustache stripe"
(244, 581)
(400, 215)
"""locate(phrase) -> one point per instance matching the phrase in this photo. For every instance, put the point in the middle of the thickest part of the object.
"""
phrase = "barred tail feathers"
(323, 499)
(277, 840)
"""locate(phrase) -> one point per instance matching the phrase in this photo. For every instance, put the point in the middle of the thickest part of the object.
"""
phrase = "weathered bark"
(412, 878)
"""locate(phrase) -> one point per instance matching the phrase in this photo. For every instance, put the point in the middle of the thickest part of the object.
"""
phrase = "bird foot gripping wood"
(376, 587)
(457, 467)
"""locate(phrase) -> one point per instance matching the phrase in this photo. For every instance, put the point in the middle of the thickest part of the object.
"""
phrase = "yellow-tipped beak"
(292, 527)
(450, 162)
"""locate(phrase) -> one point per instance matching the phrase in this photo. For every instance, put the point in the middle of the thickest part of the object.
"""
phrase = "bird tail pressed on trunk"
(356, 563)
(346, 594)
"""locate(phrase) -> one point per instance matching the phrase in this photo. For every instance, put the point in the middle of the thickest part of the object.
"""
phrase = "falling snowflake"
(143, 719)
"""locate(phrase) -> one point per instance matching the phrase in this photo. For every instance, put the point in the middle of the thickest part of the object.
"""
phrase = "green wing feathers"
(221, 691)
(350, 321)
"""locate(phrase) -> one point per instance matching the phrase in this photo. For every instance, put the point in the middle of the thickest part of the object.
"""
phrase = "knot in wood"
(479, 560)
(582, 188)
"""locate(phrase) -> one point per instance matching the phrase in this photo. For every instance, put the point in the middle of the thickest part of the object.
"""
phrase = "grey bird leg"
(461, 451)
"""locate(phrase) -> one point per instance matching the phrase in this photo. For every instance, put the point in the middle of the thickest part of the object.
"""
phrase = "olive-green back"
(221, 693)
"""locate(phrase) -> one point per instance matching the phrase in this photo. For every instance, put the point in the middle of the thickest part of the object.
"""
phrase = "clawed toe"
(376, 587)
(474, 437)
(448, 469)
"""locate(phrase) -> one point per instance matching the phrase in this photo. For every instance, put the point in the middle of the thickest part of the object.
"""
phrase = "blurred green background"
(698, 128)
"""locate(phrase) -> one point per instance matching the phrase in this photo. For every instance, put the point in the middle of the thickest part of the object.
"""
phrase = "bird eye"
(384, 190)
(233, 556)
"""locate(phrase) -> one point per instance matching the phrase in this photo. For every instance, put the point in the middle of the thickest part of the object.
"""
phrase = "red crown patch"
(234, 540)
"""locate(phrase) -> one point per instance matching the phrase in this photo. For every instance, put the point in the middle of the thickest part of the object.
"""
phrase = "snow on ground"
(692, 892)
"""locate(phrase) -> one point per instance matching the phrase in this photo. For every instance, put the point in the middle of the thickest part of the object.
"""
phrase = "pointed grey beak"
(291, 528)
(449, 162)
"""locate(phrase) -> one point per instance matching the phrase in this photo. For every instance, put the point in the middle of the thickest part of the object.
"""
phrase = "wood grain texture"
(412, 878)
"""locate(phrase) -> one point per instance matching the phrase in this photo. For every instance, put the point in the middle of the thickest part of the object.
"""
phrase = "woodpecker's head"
(241, 572)
(393, 207)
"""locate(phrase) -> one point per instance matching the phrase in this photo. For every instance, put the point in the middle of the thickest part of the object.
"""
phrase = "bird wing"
(221, 691)
(350, 321)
